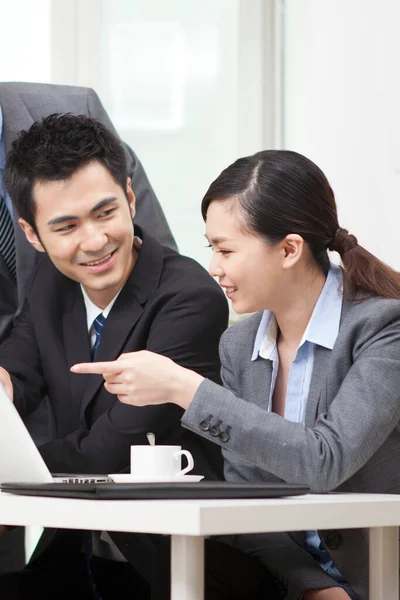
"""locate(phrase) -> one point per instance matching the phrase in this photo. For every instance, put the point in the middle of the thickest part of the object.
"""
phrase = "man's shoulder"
(46, 279)
(40, 89)
(24, 103)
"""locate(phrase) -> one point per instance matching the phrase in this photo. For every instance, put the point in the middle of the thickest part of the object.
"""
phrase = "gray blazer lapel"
(260, 381)
(318, 379)
(319, 376)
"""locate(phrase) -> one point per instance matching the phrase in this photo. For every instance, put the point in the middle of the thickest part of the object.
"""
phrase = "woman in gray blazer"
(311, 381)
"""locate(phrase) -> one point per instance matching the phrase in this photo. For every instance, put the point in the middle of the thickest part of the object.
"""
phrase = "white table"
(189, 521)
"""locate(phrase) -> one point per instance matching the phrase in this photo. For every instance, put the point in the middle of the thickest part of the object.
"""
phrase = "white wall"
(342, 108)
(25, 40)
(188, 83)
(183, 81)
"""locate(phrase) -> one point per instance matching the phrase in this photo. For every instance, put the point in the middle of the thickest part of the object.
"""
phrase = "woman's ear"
(293, 248)
(31, 235)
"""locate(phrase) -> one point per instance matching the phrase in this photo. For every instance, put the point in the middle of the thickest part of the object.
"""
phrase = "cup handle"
(189, 459)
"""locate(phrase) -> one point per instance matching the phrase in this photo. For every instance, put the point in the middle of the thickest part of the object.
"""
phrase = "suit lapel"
(76, 342)
(262, 376)
(117, 329)
(261, 370)
(318, 378)
(127, 309)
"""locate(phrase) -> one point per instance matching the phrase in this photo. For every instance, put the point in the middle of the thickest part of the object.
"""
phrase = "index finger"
(99, 368)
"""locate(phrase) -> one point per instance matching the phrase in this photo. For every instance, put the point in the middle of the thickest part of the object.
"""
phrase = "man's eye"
(107, 213)
(65, 228)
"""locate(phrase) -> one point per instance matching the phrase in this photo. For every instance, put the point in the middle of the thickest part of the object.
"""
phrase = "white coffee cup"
(161, 461)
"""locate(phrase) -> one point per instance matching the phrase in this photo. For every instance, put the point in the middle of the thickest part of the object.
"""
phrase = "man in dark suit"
(20, 105)
(97, 275)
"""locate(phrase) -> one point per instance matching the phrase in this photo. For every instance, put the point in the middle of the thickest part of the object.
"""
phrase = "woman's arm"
(360, 418)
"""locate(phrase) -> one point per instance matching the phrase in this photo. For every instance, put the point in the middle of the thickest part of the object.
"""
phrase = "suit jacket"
(350, 441)
(169, 305)
(24, 103)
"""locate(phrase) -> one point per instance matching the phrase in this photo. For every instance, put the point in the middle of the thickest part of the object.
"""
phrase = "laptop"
(20, 460)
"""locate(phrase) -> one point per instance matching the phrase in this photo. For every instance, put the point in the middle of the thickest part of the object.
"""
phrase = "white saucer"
(128, 478)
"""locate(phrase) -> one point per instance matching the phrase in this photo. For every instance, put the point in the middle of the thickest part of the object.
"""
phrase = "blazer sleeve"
(20, 356)
(187, 331)
(360, 418)
(149, 213)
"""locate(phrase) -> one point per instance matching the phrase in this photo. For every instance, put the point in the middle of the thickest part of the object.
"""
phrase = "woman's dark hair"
(53, 150)
(279, 192)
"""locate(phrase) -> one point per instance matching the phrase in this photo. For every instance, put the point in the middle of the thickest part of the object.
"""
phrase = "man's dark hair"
(53, 150)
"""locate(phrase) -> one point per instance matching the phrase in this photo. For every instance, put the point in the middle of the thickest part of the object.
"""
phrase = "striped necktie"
(98, 325)
(7, 242)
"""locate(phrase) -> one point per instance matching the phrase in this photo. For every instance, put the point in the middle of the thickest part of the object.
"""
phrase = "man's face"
(85, 226)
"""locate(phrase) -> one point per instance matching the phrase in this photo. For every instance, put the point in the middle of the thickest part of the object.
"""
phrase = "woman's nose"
(215, 269)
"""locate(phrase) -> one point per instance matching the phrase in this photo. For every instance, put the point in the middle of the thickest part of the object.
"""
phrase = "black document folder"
(157, 491)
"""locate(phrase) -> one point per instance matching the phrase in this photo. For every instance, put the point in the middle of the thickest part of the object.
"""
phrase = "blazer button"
(206, 424)
(333, 540)
(225, 436)
(215, 430)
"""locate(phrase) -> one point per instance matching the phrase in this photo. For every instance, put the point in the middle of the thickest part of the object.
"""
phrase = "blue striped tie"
(7, 242)
(98, 325)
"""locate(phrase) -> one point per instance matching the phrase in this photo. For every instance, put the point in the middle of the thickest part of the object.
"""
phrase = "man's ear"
(31, 235)
(131, 197)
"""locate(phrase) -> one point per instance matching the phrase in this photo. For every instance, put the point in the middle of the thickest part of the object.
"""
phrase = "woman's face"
(250, 270)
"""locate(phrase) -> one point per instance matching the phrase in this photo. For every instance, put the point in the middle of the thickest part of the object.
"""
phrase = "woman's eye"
(223, 252)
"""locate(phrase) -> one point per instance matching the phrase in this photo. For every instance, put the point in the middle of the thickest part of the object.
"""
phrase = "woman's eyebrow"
(218, 240)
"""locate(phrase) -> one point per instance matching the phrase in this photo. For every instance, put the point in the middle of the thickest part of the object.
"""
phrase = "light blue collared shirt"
(322, 330)
(3, 192)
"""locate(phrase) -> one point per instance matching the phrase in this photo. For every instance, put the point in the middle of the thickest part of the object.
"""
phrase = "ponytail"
(362, 271)
(279, 192)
